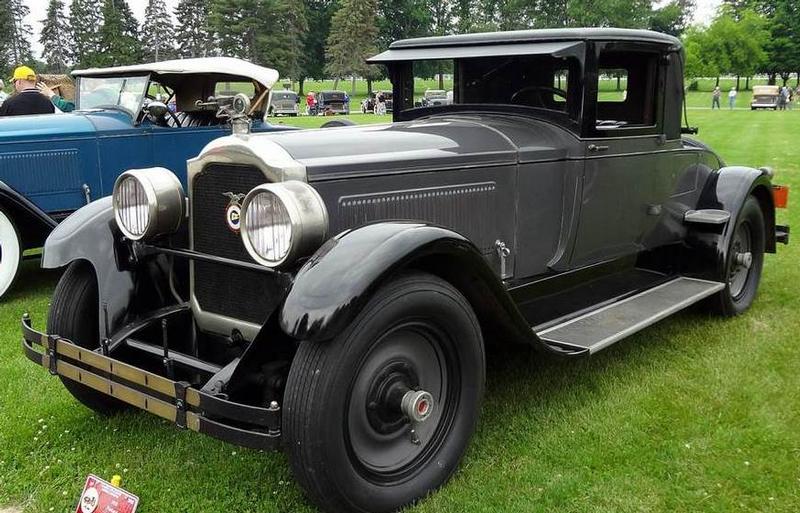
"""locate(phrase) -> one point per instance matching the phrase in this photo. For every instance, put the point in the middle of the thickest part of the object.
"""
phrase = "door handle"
(597, 148)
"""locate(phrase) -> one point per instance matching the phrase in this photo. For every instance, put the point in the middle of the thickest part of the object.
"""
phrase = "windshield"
(332, 96)
(436, 94)
(284, 96)
(124, 92)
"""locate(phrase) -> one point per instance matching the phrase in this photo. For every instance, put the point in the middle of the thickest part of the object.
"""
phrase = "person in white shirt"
(732, 98)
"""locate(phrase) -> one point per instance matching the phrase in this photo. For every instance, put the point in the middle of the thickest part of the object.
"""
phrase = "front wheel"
(74, 315)
(381, 415)
(745, 260)
(10, 252)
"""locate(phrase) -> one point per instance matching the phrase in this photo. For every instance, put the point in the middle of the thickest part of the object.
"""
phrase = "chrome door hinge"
(87, 193)
(503, 252)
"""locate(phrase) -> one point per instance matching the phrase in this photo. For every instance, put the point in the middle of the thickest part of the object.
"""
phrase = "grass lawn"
(693, 414)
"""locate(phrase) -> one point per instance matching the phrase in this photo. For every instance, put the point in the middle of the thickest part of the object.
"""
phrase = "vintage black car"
(330, 103)
(369, 104)
(333, 291)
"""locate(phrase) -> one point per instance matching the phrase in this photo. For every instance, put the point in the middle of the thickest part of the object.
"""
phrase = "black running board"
(600, 328)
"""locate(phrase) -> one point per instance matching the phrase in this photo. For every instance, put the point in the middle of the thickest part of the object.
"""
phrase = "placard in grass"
(100, 496)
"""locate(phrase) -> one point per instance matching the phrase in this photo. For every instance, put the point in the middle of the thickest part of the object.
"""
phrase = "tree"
(119, 41)
(157, 32)
(193, 32)
(352, 40)
(736, 46)
(239, 26)
(55, 37)
(672, 18)
(318, 16)
(783, 45)
(85, 18)
(15, 34)
(403, 19)
(283, 43)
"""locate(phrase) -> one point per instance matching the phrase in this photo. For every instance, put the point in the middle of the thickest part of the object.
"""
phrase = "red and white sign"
(100, 496)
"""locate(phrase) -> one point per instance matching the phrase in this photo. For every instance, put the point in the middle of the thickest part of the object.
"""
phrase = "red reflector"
(780, 193)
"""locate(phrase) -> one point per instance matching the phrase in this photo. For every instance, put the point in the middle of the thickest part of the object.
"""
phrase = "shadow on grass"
(32, 280)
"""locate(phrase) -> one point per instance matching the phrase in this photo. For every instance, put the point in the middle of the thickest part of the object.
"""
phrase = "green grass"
(695, 414)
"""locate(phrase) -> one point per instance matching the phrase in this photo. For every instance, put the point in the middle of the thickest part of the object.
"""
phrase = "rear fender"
(91, 234)
(728, 189)
(335, 284)
(32, 223)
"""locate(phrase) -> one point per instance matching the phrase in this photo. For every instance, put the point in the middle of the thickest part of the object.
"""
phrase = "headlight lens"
(148, 202)
(282, 222)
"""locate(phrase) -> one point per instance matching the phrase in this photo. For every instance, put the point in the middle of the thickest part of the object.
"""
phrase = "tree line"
(747, 37)
(319, 39)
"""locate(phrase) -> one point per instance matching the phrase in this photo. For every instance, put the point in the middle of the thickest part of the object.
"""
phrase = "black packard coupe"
(334, 298)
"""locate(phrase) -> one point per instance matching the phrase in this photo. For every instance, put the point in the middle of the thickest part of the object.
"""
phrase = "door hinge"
(87, 193)
(503, 252)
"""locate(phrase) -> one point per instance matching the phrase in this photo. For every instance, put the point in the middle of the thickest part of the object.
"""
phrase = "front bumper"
(176, 401)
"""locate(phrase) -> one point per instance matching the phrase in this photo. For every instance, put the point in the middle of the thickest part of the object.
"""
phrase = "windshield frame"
(134, 114)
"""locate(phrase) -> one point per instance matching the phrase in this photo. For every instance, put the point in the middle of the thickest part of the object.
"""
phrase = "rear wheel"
(745, 261)
(74, 316)
(10, 252)
(381, 415)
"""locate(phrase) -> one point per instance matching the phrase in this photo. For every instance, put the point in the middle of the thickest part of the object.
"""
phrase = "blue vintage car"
(140, 116)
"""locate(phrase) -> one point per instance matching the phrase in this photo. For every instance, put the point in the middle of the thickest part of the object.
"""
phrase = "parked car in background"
(765, 97)
(435, 97)
(368, 103)
(284, 103)
(51, 165)
(332, 293)
(331, 102)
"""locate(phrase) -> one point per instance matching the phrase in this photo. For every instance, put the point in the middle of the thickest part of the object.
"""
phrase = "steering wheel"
(537, 90)
(158, 117)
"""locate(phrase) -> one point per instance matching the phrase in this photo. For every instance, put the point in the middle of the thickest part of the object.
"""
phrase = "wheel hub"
(417, 405)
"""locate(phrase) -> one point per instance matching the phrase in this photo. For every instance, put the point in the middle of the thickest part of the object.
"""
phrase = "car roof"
(515, 42)
(199, 66)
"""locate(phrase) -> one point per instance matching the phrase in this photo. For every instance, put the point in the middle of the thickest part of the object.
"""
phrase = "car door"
(621, 198)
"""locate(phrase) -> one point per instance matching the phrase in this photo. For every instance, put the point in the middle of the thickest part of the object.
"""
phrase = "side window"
(627, 90)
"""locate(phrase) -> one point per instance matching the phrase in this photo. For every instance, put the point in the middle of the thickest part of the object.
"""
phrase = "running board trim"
(586, 331)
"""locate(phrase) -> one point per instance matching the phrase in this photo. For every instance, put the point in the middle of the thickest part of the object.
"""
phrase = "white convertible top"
(222, 65)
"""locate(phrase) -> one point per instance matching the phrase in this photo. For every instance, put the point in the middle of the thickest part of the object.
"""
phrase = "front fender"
(90, 234)
(32, 222)
(335, 284)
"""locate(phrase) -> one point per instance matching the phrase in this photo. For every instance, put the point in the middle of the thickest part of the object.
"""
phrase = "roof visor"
(555, 48)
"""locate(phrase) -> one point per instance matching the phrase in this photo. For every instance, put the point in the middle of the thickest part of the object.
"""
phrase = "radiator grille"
(237, 293)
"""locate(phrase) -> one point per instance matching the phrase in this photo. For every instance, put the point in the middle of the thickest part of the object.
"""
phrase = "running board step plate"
(600, 328)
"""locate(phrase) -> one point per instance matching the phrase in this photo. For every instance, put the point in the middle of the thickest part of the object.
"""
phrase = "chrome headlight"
(148, 202)
(282, 222)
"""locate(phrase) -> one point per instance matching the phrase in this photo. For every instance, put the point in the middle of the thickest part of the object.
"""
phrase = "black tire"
(74, 315)
(742, 281)
(349, 450)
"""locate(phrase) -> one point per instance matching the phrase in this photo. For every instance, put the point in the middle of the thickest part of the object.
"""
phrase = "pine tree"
(239, 26)
(282, 46)
(119, 42)
(354, 31)
(85, 18)
(193, 33)
(55, 37)
(157, 34)
(16, 33)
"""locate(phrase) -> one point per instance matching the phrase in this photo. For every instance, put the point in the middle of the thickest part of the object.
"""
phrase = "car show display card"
(100, 496)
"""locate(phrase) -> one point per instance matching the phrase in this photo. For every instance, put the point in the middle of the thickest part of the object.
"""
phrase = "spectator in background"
(715, 98)
(3, 93)
(311, 103)
(28, 99)
(58, 102)
(732, 98)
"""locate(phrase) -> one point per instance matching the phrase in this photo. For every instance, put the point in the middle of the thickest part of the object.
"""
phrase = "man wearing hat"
(27, 100)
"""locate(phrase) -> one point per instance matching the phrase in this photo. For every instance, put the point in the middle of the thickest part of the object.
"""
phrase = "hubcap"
(741, 260)
(400, 403)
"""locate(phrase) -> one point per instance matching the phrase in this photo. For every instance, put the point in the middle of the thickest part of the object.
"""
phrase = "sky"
(703, 13)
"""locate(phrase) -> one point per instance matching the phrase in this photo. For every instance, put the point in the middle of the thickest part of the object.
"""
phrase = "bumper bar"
(175, 401)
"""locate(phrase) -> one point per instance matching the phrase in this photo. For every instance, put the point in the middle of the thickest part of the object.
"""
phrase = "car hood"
(426, 144)
(14, 128)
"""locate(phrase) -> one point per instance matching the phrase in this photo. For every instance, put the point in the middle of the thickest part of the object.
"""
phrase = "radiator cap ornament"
(233, 212)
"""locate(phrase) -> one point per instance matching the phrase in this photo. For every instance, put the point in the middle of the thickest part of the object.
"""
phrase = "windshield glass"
(124, 92)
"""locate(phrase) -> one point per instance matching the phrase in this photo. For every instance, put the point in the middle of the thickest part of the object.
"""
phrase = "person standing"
(58, 101)
(732, 98)
(28, 99)
(311, 103)
(715, 98)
